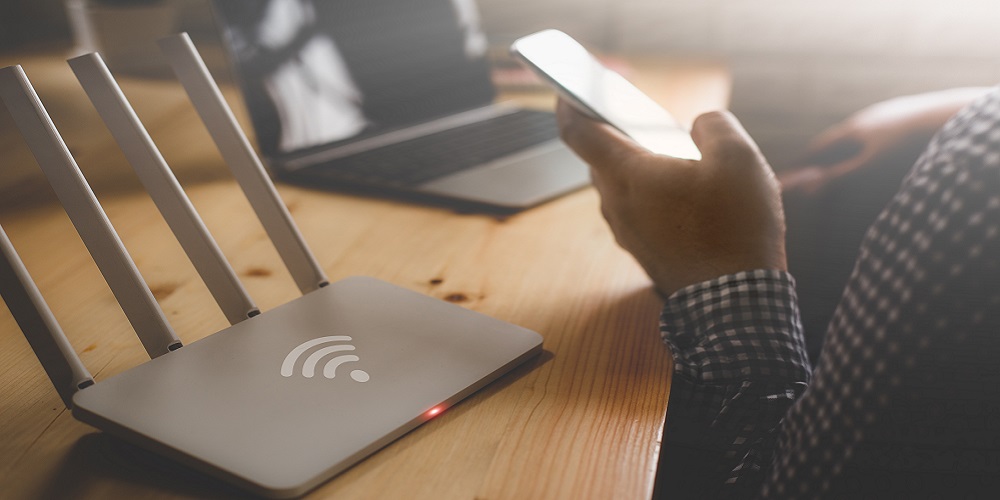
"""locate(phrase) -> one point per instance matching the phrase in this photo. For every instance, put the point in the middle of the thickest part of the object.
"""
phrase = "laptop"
(389, 97)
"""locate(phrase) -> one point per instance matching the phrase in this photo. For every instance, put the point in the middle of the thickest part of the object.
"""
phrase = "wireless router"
(278, 402)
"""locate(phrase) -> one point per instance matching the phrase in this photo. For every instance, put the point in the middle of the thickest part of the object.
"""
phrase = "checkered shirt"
(905, 398)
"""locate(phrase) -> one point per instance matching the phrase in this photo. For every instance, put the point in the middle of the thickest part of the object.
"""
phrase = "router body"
(252, 404)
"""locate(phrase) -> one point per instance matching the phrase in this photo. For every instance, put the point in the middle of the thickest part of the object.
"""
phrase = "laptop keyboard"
(429, 157)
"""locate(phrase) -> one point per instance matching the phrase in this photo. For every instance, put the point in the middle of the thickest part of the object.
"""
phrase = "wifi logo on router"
(330, 368)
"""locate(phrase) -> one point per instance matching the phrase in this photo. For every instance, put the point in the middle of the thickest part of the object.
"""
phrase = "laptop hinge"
(396, 136)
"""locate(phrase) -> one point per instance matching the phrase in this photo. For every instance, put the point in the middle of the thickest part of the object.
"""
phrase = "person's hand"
(893, 131)
(685, 221)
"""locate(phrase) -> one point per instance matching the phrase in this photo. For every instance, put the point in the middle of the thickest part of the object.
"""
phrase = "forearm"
(936, 107)
(953, 100)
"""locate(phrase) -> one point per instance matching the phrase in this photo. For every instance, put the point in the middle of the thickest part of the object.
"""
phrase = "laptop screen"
(316, 72)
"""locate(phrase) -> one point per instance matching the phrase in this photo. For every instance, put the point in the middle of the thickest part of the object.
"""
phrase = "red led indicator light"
(434, 411)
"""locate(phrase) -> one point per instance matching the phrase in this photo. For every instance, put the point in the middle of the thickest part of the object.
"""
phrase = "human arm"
(894, 131)
(910, 345)
(890, 408)
(711, 236)
(739, 364)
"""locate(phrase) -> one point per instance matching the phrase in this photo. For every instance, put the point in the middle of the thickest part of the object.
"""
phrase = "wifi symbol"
(330, 369)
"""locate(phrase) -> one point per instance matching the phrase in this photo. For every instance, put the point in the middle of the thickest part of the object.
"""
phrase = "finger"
(815, 178)
(719, 133)
(598, 144)
(805, 179)
(839, 152)
(855, 162)
(828, 138)
(831, 146)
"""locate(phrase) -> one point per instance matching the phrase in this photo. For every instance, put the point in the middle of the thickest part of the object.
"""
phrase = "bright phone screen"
(588, 84)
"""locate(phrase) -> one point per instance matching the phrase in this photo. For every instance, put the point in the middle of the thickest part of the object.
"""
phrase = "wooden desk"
(582, 421)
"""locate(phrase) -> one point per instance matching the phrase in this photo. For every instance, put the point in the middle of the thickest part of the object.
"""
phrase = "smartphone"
(603, 94)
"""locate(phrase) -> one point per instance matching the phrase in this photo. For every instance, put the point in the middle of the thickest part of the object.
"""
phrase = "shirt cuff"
(738, 327)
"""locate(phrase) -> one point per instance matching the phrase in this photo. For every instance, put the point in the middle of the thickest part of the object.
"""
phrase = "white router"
(278, 402)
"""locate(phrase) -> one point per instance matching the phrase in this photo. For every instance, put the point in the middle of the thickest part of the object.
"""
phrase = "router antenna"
(242, 161)
(85, 212)
(163, 188)
(40, 327)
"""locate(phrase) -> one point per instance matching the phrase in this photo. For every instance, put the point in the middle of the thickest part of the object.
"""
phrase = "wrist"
(670, 280)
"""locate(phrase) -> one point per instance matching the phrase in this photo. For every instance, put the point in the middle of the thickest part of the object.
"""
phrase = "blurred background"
(797, 66)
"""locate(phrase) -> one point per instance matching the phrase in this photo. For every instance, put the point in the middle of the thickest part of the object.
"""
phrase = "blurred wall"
(797, 65)
(27, 22)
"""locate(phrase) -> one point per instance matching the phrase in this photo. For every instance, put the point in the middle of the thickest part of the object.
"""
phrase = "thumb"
(720, 134)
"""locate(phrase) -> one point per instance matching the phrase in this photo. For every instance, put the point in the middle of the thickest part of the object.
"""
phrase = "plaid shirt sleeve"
(739, 363)
(903, 402)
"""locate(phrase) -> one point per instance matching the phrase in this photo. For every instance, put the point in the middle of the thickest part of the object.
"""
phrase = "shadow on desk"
(99, 460)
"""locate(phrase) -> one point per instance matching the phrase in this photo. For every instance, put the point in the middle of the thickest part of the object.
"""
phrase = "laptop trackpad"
(517, 181)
